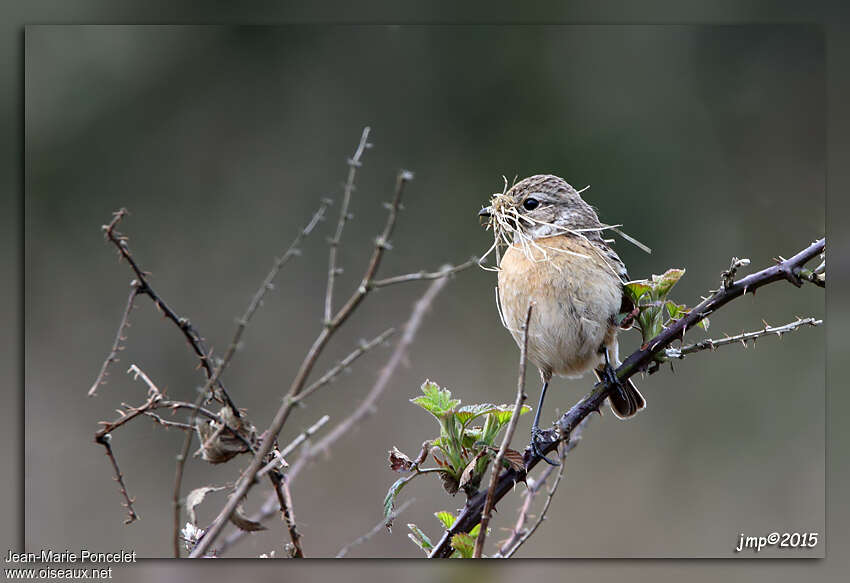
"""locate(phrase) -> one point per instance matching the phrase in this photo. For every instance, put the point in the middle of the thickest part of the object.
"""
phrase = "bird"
(557, 260)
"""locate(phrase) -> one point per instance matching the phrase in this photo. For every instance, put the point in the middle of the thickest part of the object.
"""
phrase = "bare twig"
(287, 508)
(410, 329)
(242, 323)
(119, 336)
(424, 275)
(265, 286)
(788, 269)
(344, 363)
(711, 344)
(247, 479)
(353, 164)
(156, 400)
(176, 504)
(533, 487)
(192, 336)
(105, 440)
(367, 406)
(520, 536)
(506, 440)
(167, 424)
(376, 529)
(302, 437)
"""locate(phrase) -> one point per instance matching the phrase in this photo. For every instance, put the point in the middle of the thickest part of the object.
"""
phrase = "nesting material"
(510, 227)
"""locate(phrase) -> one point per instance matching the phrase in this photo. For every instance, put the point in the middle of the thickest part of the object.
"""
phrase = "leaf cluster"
(653, 310)
(462, 451)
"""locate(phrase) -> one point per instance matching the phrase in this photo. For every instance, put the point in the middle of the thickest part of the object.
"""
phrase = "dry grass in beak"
(506, 222)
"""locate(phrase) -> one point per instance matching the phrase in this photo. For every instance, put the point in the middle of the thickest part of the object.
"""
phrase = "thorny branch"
(520, 534)
(242, 323)
(366, 407)
(106, 441)
(297, 391)
(743, 337)
(302, 437)
(119, 336)
(375, 529)
(423, 275)
(345, 363)
(353, 164)
(248, 476)
(506, 440)
(156, 400)
(192, 336)
(787, 269)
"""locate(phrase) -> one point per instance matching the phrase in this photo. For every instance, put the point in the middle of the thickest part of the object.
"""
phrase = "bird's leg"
(536, 431)
(608, 374)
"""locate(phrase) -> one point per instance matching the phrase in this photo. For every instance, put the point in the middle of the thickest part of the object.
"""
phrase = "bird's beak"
(487, 211)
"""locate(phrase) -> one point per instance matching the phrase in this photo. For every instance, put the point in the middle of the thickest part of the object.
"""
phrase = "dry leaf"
(218, 445)
(515, 460)
(241, 520)
(399, 462)
(195, 497)
(469, 471)
(516, 463)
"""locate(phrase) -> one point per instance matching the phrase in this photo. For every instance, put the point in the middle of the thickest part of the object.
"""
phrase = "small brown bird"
(557, 259)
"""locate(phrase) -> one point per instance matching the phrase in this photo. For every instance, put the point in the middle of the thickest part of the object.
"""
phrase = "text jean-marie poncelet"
(68, 556)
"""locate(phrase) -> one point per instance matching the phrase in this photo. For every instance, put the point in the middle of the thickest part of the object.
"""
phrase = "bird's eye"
(530, 204)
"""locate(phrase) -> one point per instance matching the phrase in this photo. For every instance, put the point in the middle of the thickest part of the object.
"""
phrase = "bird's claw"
(536, 434)
(609, 376)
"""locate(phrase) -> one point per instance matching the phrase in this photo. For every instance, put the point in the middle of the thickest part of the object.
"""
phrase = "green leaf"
(635, 290)
(471, 435)
(475, 530)
(469, 412)
(503, 413)
(389, 500)
(675, 311)
(664, 283)
(704, 323)
(464, 544)
(446, 518)
(420, 538)
(435, 400)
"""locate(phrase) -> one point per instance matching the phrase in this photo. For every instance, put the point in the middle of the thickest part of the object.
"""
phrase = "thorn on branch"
(727, 278)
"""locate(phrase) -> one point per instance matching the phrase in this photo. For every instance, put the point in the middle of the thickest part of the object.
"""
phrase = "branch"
(520, 535)
(192, 336)
(119, 336)
(532, 488)
(242, 324)
(788, 270)
(247, 479)
(302, 437)
(105, 440)
(376, 529)
(424, 275)
(506, 441)
(333, 270)
(710, 344)
(268, 283)
(367, 406)
(288, 510)
(344, 363)
(410, 329)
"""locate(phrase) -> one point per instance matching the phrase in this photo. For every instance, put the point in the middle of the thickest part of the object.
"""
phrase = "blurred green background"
(704, 141)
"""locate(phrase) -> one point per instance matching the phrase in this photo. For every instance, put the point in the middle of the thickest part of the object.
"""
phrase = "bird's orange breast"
(575, 294)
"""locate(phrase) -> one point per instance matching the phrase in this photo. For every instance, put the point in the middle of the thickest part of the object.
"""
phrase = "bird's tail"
(625, 399)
